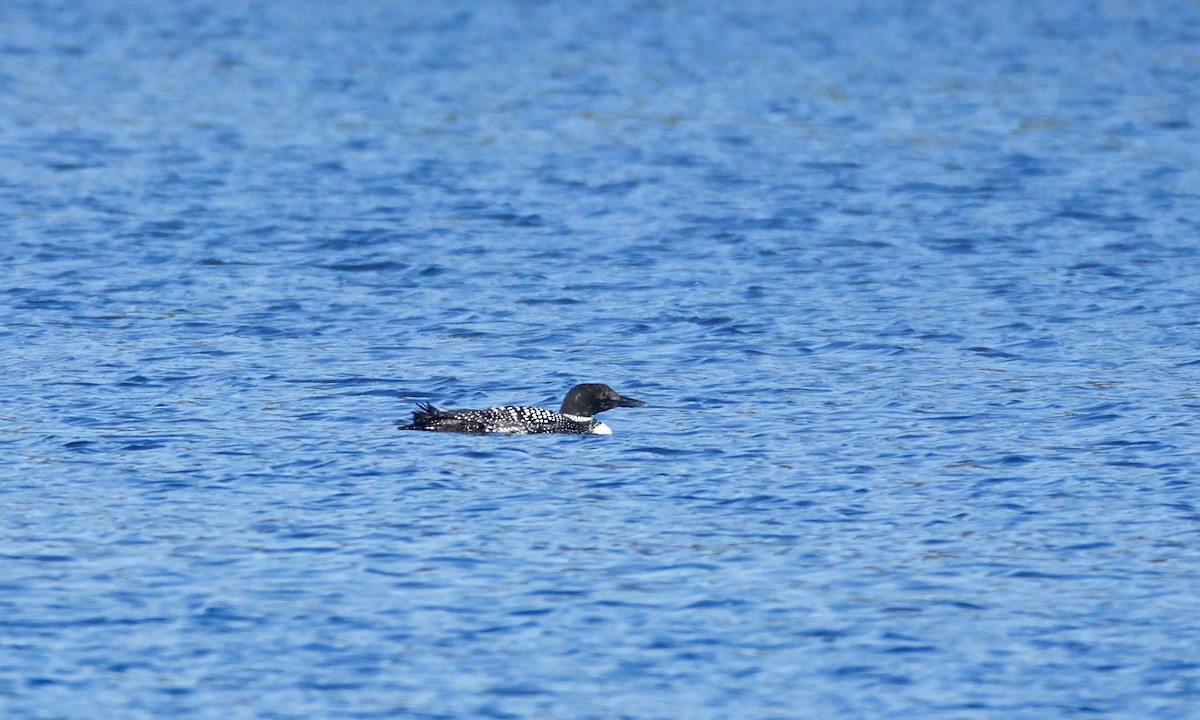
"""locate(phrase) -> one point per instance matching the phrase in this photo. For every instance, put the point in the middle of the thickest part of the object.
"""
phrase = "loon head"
(586, 400)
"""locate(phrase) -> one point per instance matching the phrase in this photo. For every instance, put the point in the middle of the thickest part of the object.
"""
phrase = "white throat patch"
(600, 429)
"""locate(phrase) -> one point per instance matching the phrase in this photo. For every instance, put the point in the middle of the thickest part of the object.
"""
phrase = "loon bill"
(576, 416)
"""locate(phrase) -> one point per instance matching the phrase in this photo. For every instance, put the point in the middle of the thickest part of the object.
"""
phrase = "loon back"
(510, 419)
(576, 417)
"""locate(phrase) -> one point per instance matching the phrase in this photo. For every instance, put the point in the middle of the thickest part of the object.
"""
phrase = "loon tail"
(424, 418)
(427, 417)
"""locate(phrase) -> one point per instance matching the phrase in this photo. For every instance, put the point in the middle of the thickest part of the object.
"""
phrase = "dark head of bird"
(587, 400)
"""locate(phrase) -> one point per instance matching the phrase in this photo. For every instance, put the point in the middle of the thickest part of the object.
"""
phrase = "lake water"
(912, 290)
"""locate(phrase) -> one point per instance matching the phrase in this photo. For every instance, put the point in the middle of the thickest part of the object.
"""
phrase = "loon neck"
(595, 427)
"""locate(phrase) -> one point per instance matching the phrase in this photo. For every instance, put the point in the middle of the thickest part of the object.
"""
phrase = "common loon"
(576, 416)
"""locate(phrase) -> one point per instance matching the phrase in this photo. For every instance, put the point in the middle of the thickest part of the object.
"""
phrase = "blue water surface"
(912, 290)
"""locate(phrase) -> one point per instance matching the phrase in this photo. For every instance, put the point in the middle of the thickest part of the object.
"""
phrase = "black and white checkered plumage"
(577, 415)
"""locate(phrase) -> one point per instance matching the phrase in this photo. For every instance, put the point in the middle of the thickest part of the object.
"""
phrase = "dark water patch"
(673, 451)
(1037, 575)
(1087, 546)
(959, 246)
(85, 622)
(992, 353)
(142, 445)
(959, 605)
(550, 301)
(870, 673)
(366, 266)
(40, 558)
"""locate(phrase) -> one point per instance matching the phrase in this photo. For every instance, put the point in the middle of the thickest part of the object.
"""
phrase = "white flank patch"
(601, 429)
